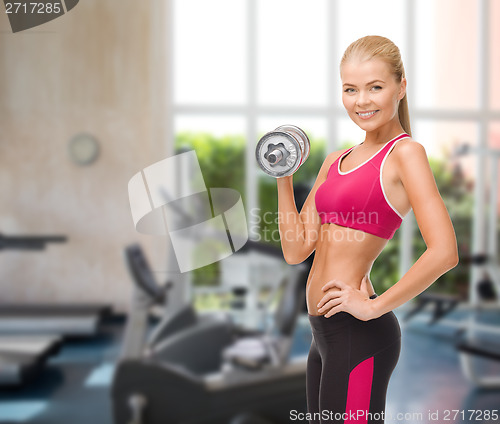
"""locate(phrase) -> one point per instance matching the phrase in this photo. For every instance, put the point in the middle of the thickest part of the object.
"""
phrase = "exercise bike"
(209, 369)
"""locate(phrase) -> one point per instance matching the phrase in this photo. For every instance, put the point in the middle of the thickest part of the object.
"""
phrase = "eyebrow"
(371, 82)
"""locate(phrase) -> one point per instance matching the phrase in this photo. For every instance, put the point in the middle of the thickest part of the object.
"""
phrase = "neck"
(383, 134)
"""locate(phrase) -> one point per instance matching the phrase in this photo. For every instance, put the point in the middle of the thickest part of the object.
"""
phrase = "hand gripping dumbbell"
(281, 152)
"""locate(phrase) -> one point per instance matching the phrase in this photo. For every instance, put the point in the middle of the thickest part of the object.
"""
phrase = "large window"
(243, 67)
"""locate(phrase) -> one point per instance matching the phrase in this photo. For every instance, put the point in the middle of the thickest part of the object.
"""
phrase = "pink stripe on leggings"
(358, 393)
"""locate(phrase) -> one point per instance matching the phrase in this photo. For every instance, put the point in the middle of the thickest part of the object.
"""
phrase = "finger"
(328, 296)
(333, 311)
(333, 283)
(330, 304)
(329, 285)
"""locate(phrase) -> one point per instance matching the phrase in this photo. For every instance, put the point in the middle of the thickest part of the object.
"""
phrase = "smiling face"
(371, 94)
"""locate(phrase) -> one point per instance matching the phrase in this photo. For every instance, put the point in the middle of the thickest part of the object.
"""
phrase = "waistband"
(321, 323)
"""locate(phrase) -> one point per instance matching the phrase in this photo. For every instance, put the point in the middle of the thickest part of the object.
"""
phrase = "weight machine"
(477, 338)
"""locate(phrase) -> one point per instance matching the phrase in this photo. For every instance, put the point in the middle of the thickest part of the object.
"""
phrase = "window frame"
(483, 116)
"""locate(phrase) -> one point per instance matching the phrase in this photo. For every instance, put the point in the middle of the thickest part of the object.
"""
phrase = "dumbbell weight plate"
(283, 167)
(301, 137)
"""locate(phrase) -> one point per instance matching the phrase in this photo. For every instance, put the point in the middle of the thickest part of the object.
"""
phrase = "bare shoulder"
(409, 152)
(408, 147)
(414, 170)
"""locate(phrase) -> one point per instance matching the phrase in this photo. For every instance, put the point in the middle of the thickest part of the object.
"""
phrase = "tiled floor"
(426, 387)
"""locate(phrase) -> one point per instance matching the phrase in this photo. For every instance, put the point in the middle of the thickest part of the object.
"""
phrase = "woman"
(356, 204)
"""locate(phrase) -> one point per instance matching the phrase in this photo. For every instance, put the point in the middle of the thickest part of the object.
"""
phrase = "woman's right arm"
(299, 232)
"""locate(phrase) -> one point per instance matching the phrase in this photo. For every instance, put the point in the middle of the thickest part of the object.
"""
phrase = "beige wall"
(89, 70)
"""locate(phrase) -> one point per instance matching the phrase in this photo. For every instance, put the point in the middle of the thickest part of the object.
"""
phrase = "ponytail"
(404, 115)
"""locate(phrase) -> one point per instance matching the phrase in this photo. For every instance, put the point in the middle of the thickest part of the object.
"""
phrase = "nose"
(362, 99)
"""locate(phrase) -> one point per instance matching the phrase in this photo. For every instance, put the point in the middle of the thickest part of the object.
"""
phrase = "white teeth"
(367, 113)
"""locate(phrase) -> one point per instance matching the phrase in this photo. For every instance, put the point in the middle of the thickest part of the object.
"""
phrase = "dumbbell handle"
(275, 156)
(282, 151)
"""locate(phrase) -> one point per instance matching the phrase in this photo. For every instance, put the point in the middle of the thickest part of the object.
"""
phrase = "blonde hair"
(376, 46)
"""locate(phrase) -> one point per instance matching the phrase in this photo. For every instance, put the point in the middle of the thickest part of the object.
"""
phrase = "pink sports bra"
(356, 198)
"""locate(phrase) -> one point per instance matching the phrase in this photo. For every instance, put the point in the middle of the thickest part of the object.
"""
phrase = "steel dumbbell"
(281, 152)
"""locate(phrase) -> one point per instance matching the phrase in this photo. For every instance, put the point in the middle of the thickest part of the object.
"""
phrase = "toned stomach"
(342, 254)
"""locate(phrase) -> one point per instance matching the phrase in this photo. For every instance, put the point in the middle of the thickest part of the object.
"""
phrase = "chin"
(367, 127)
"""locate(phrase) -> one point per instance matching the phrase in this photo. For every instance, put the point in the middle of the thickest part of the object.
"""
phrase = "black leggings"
(349, 366)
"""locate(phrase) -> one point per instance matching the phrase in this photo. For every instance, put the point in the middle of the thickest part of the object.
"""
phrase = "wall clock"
(83, 149)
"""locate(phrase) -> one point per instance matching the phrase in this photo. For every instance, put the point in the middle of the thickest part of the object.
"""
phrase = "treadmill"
(69, 321)
(31, 333)
(22, 358)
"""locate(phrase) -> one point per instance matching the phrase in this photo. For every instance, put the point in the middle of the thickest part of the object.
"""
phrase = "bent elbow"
(451, 260)
(292, 259)
(296, 254)
(444, 257)
(454, 261)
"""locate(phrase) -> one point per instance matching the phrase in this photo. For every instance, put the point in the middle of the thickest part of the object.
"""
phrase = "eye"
(349, 90)
(377, 87)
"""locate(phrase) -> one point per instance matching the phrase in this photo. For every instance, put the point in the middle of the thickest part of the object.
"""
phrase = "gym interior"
(102, 320)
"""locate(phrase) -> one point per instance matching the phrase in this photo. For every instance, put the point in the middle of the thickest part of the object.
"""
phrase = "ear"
(402, 90)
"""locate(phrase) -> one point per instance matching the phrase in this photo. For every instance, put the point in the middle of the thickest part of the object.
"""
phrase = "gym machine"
(480, 339)
(21, 357)
(31, 333)
(209, 370)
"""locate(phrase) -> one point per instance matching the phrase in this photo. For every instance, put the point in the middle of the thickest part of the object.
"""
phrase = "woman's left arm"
(435, 226)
